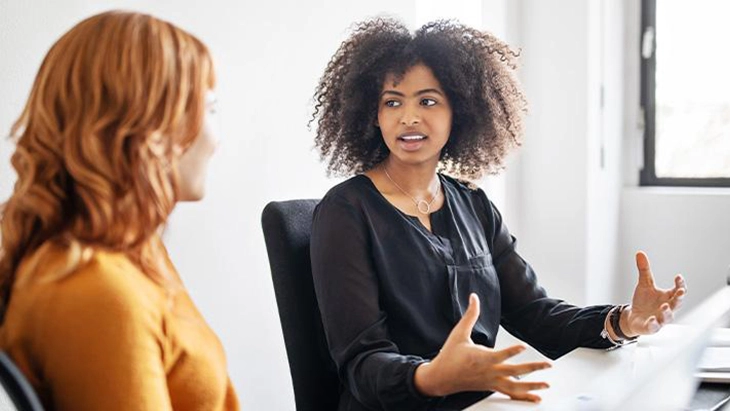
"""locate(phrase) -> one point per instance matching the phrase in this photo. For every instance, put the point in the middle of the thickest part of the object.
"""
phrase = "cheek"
(447, 122)
(211, 144)
(386, 122)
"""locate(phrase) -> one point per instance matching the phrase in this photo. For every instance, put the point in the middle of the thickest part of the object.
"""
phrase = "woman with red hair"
(115, 132)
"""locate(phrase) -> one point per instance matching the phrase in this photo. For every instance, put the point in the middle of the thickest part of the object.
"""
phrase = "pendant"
(423, 207)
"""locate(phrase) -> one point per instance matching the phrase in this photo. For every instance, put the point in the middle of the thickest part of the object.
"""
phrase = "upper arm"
(103, 346)
(344, 276)
(346, 282)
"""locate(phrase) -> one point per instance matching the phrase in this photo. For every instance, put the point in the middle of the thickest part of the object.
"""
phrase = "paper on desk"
(716, 359)
(720, 337)
(714, 365)
(714, 377)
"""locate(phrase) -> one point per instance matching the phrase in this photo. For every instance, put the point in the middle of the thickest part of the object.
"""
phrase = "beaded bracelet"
(604, 332)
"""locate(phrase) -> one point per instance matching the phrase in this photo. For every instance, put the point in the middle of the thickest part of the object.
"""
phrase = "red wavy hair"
(115, 102)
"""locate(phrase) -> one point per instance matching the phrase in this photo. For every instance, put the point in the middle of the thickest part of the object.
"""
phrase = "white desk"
(569, 377)
(586, 371)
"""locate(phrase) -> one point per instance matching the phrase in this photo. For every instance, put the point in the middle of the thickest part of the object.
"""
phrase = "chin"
(191, 195)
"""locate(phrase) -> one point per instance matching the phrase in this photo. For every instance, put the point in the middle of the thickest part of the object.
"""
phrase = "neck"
(418, 180)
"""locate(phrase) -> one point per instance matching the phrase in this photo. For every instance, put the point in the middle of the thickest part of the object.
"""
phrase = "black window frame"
(647, 176)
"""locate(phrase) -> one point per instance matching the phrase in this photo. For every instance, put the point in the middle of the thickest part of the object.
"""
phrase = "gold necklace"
(423, 206)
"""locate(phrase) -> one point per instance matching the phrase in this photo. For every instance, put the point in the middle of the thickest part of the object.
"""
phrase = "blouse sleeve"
(346, 283)
(103, 345)
(552, 326)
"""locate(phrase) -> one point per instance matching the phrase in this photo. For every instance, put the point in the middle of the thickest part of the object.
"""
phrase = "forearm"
(555, 328)
(386, 380)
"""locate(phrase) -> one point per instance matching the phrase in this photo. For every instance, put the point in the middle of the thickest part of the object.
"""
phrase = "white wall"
(566, 197)
(683, 230)
(579, 221)
(604, 150)
(270, 56)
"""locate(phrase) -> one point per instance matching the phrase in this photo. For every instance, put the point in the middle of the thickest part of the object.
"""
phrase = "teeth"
(412, 138)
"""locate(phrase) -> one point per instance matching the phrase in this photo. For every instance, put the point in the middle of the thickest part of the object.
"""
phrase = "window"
(685, 93)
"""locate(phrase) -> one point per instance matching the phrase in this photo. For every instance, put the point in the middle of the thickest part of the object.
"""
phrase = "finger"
(500, 356)
(680, 292)
(679, 282)
(524, 396)
(518, 370)
(520, 390)
(651, 325)
(463, 328)
(514, 386)
(675, 302)
(642, 263)
(667, 316)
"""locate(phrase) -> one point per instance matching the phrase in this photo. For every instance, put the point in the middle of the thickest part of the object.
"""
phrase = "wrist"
(625, 324)
(426, 381)
(608, 331)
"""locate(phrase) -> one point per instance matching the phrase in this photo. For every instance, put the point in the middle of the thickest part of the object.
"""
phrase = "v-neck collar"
(411, 218)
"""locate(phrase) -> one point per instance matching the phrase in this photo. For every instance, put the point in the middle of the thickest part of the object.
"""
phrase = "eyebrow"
(418, 93)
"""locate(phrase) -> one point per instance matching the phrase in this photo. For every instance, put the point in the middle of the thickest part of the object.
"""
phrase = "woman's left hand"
(651, 307)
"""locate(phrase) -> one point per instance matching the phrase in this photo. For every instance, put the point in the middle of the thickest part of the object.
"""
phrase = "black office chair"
(17, 394)
(287, 228)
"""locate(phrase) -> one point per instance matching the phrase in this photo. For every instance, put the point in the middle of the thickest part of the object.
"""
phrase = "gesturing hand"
(464, 366)
(651, 307)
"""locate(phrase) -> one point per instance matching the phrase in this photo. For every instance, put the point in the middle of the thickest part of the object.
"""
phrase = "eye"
(392, 103)
(428, 102)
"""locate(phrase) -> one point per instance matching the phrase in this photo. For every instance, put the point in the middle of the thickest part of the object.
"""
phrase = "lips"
(412, 137)
(411, 141)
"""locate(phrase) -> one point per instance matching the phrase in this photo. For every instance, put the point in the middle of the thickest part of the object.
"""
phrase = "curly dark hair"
(475, 69)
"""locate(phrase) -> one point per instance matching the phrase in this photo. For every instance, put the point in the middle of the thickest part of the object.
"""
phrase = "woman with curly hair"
(115, 132)
(413, 267)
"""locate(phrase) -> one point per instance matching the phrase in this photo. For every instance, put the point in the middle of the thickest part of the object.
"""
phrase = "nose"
(410, 117)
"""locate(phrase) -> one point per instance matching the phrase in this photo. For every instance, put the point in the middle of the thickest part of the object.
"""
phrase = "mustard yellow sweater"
(106, 337)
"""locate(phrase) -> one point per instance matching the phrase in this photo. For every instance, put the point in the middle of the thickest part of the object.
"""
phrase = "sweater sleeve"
(102, 344)
(346, 283)
(552, 326)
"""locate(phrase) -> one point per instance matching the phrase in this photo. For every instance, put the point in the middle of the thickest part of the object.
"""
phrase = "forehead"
(418, 77)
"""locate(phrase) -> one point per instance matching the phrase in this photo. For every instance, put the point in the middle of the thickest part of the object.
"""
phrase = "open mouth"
(408, 138)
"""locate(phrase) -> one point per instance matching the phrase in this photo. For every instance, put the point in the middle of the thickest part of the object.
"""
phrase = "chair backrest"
(16, 393)
(287, 228)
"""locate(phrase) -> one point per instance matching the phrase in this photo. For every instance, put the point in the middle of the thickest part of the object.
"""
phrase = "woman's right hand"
(464, 366)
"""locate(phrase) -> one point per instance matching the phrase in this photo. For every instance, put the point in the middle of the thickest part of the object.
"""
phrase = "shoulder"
(114, 276)
(460, 184)
(350, 193)
(464, 188)
(347, 203)
(103, 284)
(351, 188)
(470, 195)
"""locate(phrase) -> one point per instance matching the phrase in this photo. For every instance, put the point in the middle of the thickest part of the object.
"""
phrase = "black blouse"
(390, 291)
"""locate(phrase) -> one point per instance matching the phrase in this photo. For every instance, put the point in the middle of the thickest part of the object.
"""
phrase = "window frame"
(647, 175)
